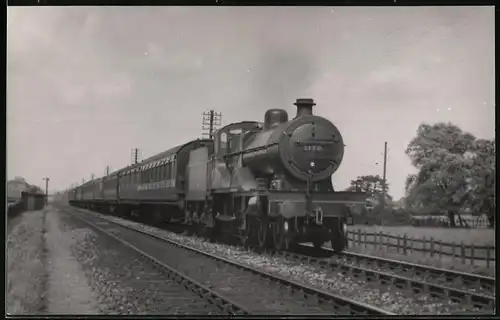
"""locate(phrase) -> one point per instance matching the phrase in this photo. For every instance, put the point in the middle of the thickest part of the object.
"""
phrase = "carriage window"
(174, 167)
(167, 169)
(223, 143)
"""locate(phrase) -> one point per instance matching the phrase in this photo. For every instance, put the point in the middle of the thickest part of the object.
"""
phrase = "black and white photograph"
(241, 161)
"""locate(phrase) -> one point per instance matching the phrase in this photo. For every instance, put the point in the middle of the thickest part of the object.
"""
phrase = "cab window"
(223, 143)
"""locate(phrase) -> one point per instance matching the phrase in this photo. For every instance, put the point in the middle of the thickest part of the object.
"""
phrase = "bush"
(383, 216)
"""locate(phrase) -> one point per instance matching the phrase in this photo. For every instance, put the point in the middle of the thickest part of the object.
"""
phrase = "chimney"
(304, 107)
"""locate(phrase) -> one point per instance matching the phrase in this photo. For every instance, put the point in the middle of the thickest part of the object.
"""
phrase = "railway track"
(180, 292)
(463, 288)
(252, 291)
(460, 280)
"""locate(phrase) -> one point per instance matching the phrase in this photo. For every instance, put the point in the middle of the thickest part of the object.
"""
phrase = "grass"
(478, 237)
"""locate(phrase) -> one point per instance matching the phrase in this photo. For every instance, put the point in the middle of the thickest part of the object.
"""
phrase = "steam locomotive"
(269, 184)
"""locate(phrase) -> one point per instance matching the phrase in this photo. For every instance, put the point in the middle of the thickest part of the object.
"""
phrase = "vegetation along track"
(251, 291)
(476, 291)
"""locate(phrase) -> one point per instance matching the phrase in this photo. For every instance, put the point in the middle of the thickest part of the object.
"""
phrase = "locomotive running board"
(341, 197)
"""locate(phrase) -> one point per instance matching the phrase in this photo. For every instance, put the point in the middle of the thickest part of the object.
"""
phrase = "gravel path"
(42, 275)
(25, 265)
(384, 297)
(68, 288)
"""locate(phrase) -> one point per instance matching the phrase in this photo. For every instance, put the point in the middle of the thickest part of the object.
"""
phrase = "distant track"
(460, 287)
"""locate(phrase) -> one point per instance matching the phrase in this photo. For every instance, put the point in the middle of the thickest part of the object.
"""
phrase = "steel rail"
(223, 303)
(340, 304)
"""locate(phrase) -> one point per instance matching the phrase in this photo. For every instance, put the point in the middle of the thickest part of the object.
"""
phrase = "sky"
(85, 85)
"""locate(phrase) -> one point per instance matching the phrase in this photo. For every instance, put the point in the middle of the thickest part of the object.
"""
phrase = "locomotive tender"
(267, 183)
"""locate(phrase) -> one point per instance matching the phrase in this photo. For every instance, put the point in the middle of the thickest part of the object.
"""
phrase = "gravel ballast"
(127, 284)
(385, 297)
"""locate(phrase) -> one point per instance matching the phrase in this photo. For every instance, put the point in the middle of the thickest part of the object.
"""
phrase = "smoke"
(281, 76)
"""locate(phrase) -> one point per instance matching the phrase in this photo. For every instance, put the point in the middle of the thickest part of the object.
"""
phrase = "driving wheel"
(338, 238)
(318, 243)
(245, 233)
(279, 240)
(262, 228)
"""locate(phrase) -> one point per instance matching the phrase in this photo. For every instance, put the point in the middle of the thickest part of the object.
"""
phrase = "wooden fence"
(435, 248)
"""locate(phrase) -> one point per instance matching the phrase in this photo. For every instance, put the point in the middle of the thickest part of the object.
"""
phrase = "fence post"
(472, 258)
(384, 244)
(365, 238)
(488, 257)
(432, 247)
(397, 244)
(440, 250)
(405, 244)
(453, 246)
(424, 241)
(462, 251)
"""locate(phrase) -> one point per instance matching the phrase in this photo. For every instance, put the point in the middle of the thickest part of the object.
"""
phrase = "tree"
(455, 171)
(371, 184)
(34, 189)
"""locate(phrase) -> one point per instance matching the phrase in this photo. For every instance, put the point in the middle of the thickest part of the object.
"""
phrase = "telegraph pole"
(135, 156)
(384, 187)
(211, 121)
(46, 190)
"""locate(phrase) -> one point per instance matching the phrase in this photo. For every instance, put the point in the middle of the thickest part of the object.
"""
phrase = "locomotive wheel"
(338, 245)
(245, 235)
(206, 232)
(338, 241)
(318, 243)
(200, 229)
(262, 228)
(279, 241)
